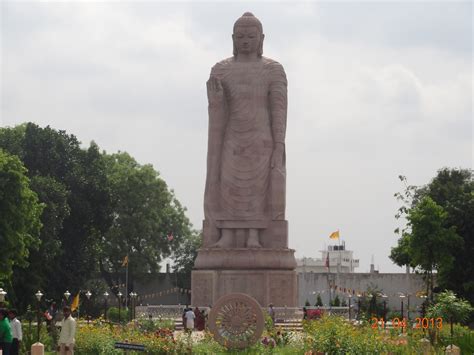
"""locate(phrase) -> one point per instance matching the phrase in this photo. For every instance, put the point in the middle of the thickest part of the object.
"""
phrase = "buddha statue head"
(248, 35)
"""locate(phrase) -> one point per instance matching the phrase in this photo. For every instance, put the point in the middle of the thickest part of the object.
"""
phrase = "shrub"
(334, 335)
(100, 338)
(319, 301)
(113, 315)
(148, 325)
(462, 337)
(30, 336)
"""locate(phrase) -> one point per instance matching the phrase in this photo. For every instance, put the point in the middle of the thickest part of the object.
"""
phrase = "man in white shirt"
(189, 315)
(68, 332)
(17, 334)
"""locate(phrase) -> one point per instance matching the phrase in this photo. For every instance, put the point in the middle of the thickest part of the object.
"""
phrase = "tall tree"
(43, 261)
(71, 182)
(20, 213)
(446, 205)
(453, 189)
(148, 221)
(186, 253)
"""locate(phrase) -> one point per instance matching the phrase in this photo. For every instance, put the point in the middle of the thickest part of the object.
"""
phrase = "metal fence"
(282, 314)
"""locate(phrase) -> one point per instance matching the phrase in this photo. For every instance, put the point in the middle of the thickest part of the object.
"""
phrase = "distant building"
(340, 260)
(314, 278)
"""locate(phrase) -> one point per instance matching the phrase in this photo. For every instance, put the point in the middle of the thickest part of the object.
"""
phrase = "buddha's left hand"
(277, 156)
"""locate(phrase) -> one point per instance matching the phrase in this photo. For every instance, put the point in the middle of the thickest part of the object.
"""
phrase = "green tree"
(438, 230)
(319, 301)
(20, 213)
(72, 184)
(149, 222)
(453, 190)
(98, 208)
(186, 253)
(43, 261)
(449, 307)
(431, 243)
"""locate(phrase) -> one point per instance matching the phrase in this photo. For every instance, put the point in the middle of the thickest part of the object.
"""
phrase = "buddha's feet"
(252, 241)
(225, 241)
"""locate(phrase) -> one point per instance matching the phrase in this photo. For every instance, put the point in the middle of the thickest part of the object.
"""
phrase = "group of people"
(11, 333)
(309, 314)
(194, 319)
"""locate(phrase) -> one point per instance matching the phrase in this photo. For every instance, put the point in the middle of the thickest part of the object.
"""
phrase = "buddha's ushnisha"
(247, 96)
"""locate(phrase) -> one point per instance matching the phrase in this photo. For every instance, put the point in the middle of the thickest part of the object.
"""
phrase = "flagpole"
(126, 282)
(340, 261)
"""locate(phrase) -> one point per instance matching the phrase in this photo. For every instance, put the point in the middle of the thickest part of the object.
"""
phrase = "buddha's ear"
(260, 47)
(234, 51)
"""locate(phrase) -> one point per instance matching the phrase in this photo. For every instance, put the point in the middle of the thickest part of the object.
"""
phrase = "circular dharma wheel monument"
(236, 321)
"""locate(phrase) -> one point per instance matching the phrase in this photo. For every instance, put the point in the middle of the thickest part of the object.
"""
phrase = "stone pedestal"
(37, 349)
(453, 349)
(245, 258)
(266, 274)
(266, 286)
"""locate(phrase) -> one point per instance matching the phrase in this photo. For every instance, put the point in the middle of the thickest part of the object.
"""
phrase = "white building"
(340, 260)
(341, 280)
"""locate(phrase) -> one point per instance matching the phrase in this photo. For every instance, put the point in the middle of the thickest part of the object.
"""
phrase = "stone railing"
(160, 312)
(282, 314)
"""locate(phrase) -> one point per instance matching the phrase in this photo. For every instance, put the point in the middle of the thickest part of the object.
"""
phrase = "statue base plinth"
(266, 286)
(245, 258)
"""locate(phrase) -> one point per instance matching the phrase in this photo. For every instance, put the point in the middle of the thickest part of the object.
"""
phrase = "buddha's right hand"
(215, 92)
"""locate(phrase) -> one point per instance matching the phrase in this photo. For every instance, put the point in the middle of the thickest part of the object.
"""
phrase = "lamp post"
(119, 294)
(423, 310)
(2, 297)
(402, 296)
(133, 296)
(384, 296)
(350, 297)
(38, 297)
(88, 295)
(358, 305)
(423, 305)
(370, 298)
(106, 296)
(408, 307)
(67, 294)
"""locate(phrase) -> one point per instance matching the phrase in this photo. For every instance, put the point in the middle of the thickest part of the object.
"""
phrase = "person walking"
(190, 320)
(17, 333)
(6, 336)
(186, 308)
(68, 332)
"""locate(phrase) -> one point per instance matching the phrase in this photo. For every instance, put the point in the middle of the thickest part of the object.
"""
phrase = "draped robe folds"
(243, 131)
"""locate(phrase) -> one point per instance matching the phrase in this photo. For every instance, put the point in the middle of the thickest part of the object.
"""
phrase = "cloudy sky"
(376, 89)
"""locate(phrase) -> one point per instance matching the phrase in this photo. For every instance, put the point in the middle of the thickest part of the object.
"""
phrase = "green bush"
(319, 301)
(148, 325)
(463, 337)
(113, 315)
(99, 339)
(30, 336)
(334, 335)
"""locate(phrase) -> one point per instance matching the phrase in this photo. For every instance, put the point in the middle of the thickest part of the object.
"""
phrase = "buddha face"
(247, 39)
